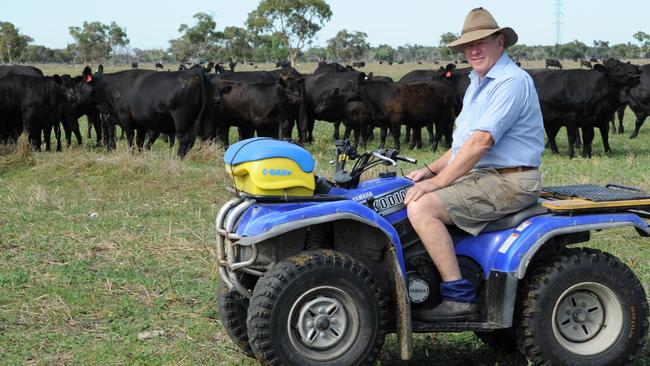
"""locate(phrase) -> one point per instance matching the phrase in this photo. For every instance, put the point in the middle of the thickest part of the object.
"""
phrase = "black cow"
(70, 114)
(323, 68)
(582, 98)
(317, 85)
(586, 64)
(134, 65)
(253, 107)
(159, 65)
(457, 79)
(169, 102)
(11, 124)
(283, 63)
(34, 101)
(359, 64)
(294, 82)
(553, 63)
(20, 70)
(394, 104)
(638, 99)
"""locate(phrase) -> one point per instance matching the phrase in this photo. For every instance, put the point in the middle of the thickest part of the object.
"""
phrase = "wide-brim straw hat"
(479, 23)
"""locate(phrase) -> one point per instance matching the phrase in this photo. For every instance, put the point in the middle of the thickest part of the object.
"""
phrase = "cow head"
(330, 100)
(623, 75)
(84, 89)
(67, 88)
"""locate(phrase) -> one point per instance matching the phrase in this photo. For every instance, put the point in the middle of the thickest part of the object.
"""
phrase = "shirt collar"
(495, 71)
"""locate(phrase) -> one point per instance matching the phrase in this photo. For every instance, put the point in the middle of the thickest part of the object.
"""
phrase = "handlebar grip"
(406, 159)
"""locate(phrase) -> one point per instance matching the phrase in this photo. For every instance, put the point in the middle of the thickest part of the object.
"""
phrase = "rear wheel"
(317, 308)
(585, 308)
(232, 312)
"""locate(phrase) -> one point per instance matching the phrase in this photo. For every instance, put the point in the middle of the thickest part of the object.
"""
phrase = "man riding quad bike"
(317, 272)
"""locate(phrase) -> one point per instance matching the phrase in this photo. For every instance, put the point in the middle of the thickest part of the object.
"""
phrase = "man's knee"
(426, 209)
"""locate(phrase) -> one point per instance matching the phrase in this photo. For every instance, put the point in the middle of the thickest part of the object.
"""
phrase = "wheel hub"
(322, 322)
(580, 316)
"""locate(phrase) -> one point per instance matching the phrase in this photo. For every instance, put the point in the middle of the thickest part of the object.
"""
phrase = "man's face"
(482, 54)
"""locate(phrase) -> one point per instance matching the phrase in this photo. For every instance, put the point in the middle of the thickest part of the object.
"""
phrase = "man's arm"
(436, 167)
(468, 155)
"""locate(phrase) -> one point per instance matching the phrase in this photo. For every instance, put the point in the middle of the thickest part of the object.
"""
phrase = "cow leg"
(348, 131)
(416, 141)
(430, 131)
(578, 141)
(436, 139)
(67, 131)
(152, 136)
(108, 129)
(552, 128)
(337, 125)
(640, 118)
(621, 113)
(407, 137)
(357, 134)
(57, 134)
(185, 143)
(286, 129)
(588, 136)
(395, 130)
(140, 134)
(383, 131)
(604, 135)
(47, 136)
(571, 129)
(365, 131)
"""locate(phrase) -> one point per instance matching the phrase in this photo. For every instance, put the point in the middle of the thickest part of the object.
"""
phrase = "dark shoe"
(449, 311)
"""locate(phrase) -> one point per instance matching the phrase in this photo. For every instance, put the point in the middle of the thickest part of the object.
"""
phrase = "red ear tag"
(448, 74)
(89, 78)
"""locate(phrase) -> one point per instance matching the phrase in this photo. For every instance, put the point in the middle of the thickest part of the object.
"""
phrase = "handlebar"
(384, 158)
(345, 151)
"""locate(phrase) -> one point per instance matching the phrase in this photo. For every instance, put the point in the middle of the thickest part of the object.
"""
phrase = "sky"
(152, 23)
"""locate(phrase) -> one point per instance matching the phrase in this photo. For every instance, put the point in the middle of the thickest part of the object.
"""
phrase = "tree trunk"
(293, 55)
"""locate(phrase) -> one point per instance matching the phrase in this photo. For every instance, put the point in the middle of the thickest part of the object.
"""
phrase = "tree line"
(275, 30)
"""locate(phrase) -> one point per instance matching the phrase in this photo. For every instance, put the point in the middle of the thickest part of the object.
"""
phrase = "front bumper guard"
(228, 251)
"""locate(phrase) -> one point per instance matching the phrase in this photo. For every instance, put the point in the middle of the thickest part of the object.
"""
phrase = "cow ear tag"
(89, 78)
(448, 74)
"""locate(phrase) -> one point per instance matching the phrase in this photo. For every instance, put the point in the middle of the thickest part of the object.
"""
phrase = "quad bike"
(317, 272)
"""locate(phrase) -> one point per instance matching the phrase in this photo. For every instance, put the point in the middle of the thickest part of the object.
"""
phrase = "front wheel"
(317, 308)
(585, 307)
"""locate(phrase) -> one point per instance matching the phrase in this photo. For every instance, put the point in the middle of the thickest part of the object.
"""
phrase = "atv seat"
(516, 218)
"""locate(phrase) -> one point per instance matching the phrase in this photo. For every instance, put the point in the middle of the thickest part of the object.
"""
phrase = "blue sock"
(460, 290)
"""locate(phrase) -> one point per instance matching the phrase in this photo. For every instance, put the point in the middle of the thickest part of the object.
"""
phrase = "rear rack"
(590, 198)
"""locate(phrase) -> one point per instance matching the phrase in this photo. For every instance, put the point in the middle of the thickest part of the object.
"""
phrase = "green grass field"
(108, 258)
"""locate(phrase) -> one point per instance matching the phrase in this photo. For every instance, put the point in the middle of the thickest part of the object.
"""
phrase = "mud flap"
(402, 310)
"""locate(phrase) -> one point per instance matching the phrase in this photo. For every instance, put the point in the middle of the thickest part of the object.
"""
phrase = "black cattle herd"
(191, 103)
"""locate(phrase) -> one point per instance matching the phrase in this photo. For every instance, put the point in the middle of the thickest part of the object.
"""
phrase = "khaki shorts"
(485, 195)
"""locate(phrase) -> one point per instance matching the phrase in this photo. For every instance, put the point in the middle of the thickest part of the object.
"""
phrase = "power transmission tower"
(558, 21)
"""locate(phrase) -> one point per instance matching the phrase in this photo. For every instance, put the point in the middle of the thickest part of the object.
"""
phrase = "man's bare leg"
(428, 217)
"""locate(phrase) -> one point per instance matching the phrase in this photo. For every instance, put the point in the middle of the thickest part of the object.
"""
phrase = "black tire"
(565, 303)
(232, 312)
(310, 294)
(500, 340)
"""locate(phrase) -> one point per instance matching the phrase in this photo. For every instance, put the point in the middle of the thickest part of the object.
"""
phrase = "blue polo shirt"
(506, 105)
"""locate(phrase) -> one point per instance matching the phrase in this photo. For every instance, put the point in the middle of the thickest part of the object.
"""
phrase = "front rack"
(228, 251)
